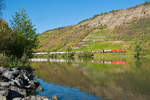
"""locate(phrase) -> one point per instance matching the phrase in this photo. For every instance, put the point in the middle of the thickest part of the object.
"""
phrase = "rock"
(54, 98)
(25, 77)
(15, 72)
(4, 84)
(35, 98)
(4, 92)
(16, 69)
(40, 88)
(17, 92)
(2, 69)
(122, 17)
(32, 83)
(45, 99)
(3, 97)
(8, 74)
(17, 85)
(17, 98)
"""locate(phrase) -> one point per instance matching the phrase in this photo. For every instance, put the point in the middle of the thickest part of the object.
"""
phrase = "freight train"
(98, 51)
(110, 51)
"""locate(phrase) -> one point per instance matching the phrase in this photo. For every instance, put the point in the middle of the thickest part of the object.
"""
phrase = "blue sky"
(49, 14)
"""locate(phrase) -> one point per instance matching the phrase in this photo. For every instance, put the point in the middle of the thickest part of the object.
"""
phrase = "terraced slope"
(113, 30)
(98, 40)
(62, 38)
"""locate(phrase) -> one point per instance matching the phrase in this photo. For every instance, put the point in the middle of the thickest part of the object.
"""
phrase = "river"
(115, 79)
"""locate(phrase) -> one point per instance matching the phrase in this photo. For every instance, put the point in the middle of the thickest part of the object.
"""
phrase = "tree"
(24, 37)
(138, 50)
(5, 36)
(4, 31)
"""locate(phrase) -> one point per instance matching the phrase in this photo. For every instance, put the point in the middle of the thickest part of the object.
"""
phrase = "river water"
(102, 79)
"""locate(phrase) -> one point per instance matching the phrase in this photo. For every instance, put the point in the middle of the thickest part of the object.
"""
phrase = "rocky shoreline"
(18, 84)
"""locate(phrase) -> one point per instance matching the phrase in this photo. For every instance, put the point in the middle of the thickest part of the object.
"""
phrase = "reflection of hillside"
(64, 75)
(101, 80)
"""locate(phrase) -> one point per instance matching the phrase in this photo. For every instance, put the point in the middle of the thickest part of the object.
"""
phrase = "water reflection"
(110, 79)
(76, 61)
(63, 93)
(138, 62)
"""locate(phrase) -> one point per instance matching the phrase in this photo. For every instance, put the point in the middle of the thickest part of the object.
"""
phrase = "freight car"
(109, 51)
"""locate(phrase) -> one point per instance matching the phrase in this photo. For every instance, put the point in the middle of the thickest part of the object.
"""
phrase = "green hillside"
(62, 38)
(86, 38)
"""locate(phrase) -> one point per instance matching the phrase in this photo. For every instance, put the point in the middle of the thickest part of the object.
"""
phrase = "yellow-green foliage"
(59, 39)
(121, 37)
(137, 30)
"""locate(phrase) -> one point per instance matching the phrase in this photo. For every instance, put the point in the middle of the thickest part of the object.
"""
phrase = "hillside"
(118, 17)
(113, 30)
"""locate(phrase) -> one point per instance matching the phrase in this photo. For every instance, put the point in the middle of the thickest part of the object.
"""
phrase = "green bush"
(138, 50)
(85, 55)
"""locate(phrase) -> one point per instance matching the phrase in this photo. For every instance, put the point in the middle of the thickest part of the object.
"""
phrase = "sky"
(49, 14)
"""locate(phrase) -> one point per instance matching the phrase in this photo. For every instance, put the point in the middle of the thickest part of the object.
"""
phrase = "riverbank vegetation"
(17, 40)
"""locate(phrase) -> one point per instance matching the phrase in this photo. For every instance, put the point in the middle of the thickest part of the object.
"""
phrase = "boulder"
(17, 85)
(32, 84)
(35, 98)
(4, 92)
(17, 92)
(17, 82)
(8, 75)
(17, 98)
(3, 97)
(4, 84)
(2, 69)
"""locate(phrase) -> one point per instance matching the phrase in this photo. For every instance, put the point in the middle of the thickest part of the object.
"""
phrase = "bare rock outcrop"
(120, 17)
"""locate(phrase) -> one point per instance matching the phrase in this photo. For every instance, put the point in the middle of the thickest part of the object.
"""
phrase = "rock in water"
(54, 98)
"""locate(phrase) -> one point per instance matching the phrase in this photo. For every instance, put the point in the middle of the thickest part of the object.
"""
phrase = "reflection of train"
(118, 62)
(97, 51)
(109, 51)
(108, 62)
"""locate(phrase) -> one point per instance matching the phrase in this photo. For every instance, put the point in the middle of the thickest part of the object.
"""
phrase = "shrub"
(85, 55)
(13, 61)
(138, 50)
